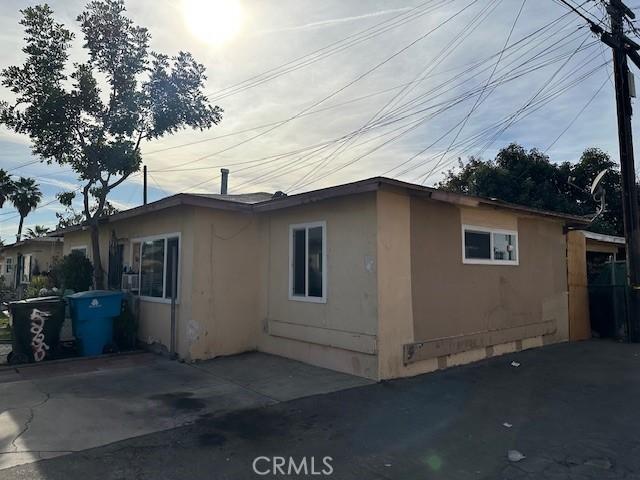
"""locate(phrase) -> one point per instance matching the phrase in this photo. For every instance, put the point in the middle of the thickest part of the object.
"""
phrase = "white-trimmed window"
(308, 262)
(489, 246)
(8, 262)
(152, 258)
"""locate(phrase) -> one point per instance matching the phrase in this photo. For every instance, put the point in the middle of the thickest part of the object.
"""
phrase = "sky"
(346, 90)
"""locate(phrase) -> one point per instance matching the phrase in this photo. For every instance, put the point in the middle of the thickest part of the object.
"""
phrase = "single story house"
(378, 278)
(19, 260)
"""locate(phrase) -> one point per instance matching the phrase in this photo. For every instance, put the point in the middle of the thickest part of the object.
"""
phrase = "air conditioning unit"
(130, 282)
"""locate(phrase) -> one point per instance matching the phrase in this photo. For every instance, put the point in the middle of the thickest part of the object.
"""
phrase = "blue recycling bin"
(92, 315)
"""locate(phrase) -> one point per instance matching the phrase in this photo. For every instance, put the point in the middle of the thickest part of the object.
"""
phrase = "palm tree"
(6, 187)
(25, 197)
(37, 231)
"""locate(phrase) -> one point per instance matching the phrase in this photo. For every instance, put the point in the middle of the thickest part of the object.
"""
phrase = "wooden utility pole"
(624, 48)
(144, 184)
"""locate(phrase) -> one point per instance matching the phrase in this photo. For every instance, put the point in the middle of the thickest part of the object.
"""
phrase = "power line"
(358, 158)
(480, 99)
(580, 112)
(346, 43)
(466, 32)
(517, 44)
(335, 92)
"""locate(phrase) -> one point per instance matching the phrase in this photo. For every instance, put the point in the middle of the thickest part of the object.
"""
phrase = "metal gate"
(608, 300)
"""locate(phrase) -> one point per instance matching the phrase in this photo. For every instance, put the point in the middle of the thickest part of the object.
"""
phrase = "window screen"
(299, 255)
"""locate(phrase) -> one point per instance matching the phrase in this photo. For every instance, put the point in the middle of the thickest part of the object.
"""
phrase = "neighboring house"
(19, 260)
(377, 278)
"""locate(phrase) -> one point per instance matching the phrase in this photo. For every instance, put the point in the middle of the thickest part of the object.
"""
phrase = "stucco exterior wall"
(399, 299)
(342, 333)
(463, 312)
(228, 283)
(395, 307)
(155, 314)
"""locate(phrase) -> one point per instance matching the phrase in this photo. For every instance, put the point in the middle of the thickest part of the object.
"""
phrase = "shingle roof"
(248, 198)
(262, 201)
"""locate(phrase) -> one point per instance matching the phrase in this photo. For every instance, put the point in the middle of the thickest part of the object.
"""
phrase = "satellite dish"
(597, 180)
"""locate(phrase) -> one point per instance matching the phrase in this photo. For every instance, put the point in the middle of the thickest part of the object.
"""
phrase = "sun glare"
(213, 21)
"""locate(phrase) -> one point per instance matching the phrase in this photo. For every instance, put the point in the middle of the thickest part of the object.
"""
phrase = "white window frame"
(150, 238)
(8, 265)
(80, 248)
(306, 297)
(491, 232)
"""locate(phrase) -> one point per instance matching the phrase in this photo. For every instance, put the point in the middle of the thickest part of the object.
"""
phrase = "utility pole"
(144, 184)
(622, 48)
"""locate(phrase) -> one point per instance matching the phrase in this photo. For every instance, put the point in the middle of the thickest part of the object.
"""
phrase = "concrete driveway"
(571, 409)
(49, 410)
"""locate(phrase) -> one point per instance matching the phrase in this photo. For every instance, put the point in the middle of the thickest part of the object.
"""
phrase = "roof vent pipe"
(225, 181)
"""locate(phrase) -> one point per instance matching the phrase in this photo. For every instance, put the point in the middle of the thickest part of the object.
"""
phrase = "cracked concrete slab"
(51, 410)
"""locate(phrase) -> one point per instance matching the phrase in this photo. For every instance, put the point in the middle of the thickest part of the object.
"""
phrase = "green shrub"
(37, 284)
(74, 272)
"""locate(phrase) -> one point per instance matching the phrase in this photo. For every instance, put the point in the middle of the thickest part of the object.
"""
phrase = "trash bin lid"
(95, 293)
(50, 299)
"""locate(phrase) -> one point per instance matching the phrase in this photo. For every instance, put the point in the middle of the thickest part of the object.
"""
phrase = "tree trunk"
(20, 228)
(98, 272)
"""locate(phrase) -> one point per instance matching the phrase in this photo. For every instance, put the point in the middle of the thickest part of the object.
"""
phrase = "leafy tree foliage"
(530, 178)
(37, 231)
(70, 216)
(96, 118)
(6, 187)
(25, 197)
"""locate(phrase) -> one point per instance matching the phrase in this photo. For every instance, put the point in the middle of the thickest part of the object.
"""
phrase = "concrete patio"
(53, 409)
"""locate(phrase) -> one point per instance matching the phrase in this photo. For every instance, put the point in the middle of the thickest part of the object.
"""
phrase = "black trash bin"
(36, 325)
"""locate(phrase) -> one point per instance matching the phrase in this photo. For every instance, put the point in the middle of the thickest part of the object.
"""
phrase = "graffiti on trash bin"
(39, 347)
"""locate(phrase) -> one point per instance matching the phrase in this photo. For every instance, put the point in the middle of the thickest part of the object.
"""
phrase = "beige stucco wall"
(155, 315)
(395, 278)
(341, 333)
(228, 283)
(395, 307)
(472, 311)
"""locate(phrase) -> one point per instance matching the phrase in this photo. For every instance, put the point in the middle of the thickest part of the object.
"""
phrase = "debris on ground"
(603, 463)
(507, 424)
(515, 456)
(515, 364)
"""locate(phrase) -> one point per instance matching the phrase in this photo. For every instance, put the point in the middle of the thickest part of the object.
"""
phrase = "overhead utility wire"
(335, 170)
(431, 65)
(446, 83)
(349, 163)
(412, 124)
(263, 77)
(451, 87)
(480, 98)
(335, 92)
(580, 112)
